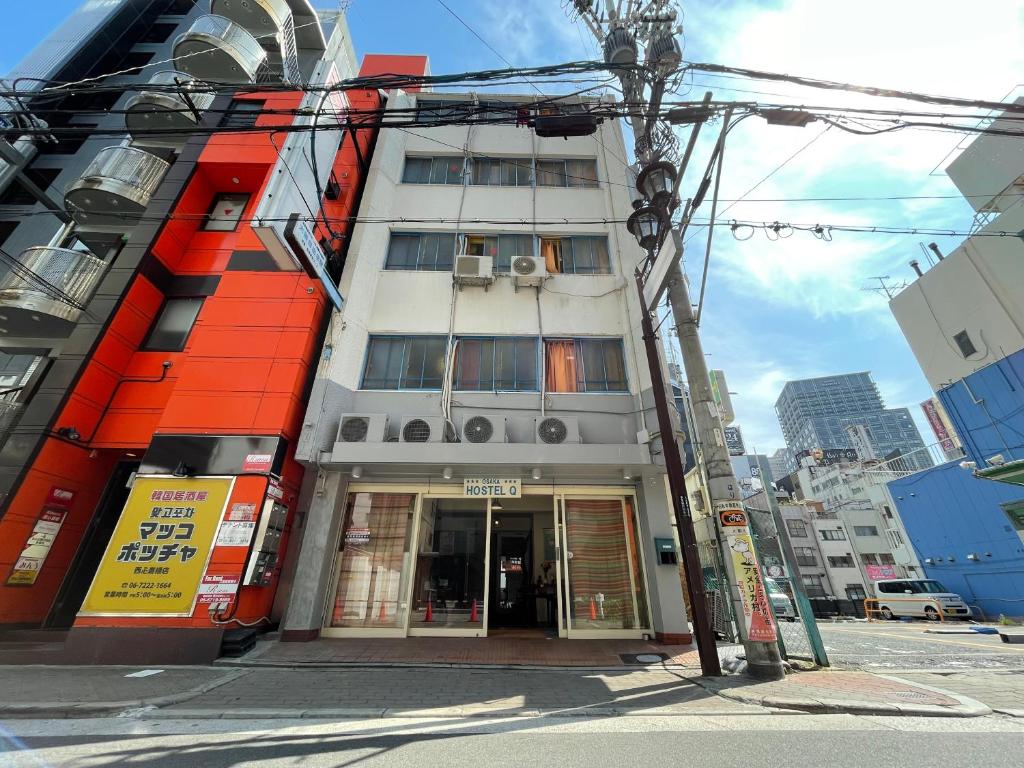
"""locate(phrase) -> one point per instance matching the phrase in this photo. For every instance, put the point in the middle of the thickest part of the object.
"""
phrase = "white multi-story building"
(482, 414)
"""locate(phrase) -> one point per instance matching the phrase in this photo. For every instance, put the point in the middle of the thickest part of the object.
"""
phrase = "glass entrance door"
(603, 585)
(451, 568)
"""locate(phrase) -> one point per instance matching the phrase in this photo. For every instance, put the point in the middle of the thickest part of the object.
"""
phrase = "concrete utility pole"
(622, 29)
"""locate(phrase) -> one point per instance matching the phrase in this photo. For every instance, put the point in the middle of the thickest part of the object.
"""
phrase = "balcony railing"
(215, 48)
(165, 108)
(115, 189)
(265, 19)
(43, 298)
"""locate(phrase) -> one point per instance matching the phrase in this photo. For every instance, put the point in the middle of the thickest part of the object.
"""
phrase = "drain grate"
(911, 695)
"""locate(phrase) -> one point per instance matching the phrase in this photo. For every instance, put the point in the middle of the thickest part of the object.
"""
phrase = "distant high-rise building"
(781, 463)
(814, 413)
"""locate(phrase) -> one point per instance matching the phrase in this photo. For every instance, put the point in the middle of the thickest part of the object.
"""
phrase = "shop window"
(404, 362)
(584, 365)
(226, 212)
(242, 113)
(797, 528)
(433, 170)
(579, 255)
(424, 252)
(173, 325)
(373, 564)
(496, 364)
(964, 344)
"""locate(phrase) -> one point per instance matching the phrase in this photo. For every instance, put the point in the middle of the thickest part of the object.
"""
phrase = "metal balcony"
(215, 48)
(263, 18)
(165, 107)
(43, 298)
(115, 189)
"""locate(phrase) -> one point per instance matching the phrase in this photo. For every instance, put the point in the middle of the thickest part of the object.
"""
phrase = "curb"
(967, 707)
(63, 709)
(342, 665)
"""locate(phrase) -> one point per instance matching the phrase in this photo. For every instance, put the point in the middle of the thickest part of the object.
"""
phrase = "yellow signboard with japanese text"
(155, 559)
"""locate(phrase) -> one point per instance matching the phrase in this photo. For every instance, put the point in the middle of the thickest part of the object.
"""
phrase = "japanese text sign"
(156, 557)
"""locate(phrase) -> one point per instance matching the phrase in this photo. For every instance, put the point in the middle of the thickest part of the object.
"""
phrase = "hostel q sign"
(492, 487)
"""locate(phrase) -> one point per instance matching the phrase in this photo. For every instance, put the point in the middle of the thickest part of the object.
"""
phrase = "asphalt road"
(746, 741)
(879, 646)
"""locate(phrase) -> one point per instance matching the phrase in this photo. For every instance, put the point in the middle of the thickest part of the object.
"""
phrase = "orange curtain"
(551, 250)
(560, 367)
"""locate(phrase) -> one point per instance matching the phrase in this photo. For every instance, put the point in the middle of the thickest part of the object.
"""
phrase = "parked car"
(920, 598)
(781, 604)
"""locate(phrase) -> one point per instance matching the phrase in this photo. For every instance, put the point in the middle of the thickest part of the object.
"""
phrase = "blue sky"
(795, 307)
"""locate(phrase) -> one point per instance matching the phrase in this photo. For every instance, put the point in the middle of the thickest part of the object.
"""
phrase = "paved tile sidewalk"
(496, 650)
(854, 692)
(1003, 691)
(64, 690)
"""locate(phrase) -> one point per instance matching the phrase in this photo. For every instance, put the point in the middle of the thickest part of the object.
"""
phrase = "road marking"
(988, 646)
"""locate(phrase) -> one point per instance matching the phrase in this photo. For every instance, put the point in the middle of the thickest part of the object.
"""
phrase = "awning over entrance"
(1012, 472)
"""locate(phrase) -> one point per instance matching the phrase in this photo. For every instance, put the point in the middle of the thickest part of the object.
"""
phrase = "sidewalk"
(276, 692)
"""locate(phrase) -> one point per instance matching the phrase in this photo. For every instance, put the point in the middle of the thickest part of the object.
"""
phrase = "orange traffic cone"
(430, 611)
(593, 610)
(473, 616)
(383, 618)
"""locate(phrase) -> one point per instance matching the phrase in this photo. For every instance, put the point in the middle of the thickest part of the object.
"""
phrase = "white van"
(781, 604)
(918, 597)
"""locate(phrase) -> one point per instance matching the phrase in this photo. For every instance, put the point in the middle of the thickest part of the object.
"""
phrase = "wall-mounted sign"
(733, 518)
(155, 559)
(257, 462)
(734, 440)
(357, 535)
(30, 562)
(238, 526)
(878, 572)
(217, 588)
(825, 457)
(299, 236)
(757, 614)
(492, 487)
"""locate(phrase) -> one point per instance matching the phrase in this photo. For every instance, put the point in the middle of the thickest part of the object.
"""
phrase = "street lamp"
(644, 224)
(656, 183)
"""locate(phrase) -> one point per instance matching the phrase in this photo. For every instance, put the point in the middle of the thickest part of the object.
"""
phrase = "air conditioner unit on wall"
(555, 430)
(473, 270)
(422, 429)
(485, 428)
(528, 270)
(363, 428)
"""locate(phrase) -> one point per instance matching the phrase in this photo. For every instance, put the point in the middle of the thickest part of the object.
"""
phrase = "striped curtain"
(601, 593)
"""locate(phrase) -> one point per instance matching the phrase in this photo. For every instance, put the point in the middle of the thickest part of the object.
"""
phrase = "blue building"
(960, 528)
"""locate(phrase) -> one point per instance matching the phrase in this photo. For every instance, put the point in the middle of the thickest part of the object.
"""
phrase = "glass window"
(511, 247)
(797, 528)
(450, 564)
(966, 346)
(486, 172)
(242, 113)
(843, 561)
(581, 173)
(550, 173)
(373, 560)
(226, 212)
(424, 252)
(173, 325)
(833, 535)
(805, 555)
(855, 592)
(813, 586)
(584, 365)
(516, 172)
(437, 110)
(585, 255)
(496, 364)
(602, 566)
(928, 586)
(404, 362)
(865, 530)
(446, 170)
(417, 170)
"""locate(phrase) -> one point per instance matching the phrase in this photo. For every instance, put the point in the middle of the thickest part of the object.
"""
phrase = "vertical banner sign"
(757, 613)
(155, 560)
(30, 562)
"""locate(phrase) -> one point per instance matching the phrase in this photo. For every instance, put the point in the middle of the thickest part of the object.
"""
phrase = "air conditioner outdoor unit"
(555, 430)
(422, 429)
(474, 270)
(363, 428)
(528, 270)
(485, 428)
